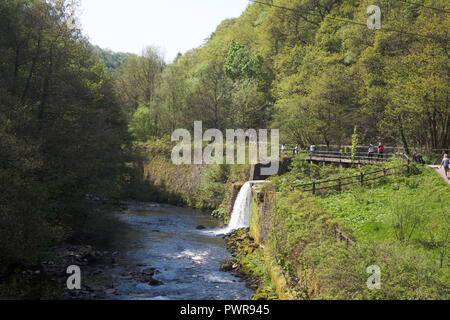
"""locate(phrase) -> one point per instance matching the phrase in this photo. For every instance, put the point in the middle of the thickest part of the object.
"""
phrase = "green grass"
(401, 223)
(370, 212)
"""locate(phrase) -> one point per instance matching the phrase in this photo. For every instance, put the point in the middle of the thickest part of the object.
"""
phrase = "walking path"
(441, 172)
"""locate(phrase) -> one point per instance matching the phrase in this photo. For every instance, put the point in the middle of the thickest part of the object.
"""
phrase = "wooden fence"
(337, 184)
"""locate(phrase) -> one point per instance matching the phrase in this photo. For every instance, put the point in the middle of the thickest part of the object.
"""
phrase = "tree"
(138, 81)
(141, 125)
(355, 142)
(241, 63)
(62, 132)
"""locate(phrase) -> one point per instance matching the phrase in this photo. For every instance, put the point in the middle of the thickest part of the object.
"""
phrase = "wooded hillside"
(311, 68)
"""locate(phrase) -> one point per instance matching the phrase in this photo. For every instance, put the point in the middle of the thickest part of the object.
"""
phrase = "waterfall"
(240, 216)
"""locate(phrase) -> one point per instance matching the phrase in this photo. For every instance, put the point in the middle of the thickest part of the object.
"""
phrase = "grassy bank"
(399, 223)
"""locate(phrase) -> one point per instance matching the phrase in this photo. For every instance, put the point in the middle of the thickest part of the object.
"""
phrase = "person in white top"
(446, 164)
(371, 151)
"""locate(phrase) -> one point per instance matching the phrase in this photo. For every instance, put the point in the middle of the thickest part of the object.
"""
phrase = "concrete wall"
(255, 172)
(235, 188)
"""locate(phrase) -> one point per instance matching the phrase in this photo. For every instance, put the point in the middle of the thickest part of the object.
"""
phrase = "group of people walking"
(296, 149)
(313, 149)
(372, 151)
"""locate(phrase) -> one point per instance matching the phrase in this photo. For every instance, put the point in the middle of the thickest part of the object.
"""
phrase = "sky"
(171, 25)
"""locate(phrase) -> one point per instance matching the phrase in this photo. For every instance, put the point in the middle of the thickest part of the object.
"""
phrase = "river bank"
(152, 251)
(248, 263)
(88, 247)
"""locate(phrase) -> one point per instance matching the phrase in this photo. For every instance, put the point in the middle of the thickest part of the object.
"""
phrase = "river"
(188, 260)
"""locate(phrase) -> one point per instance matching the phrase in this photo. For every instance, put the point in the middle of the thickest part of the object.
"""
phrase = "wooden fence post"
(362, 178)
(339, 185)
(314, 187)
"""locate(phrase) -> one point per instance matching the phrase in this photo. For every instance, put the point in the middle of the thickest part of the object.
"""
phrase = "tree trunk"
(30, 74)
(402, 134)
(45, 90)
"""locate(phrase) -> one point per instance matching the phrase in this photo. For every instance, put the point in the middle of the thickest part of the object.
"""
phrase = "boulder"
(154, 282)
(149, 271)
(228, 265)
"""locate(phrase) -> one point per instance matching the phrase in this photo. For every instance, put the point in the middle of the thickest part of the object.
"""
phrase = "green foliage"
(400, 224)
(137, 81)
(405, 218)
(379, 212)
(141, 125)
(62, 132)
(301, 168)
(112, 60)
(250, 258)
(220, 213)
(241, 63)
(355, 142)
(313, 78)
(407, 273)
(214, 188)
(216, 184)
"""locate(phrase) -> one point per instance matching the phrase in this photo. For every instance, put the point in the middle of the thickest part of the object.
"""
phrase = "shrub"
(214, 186)
(141, 125)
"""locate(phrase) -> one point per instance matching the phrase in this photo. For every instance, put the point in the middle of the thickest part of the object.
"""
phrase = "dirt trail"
(441, 172)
